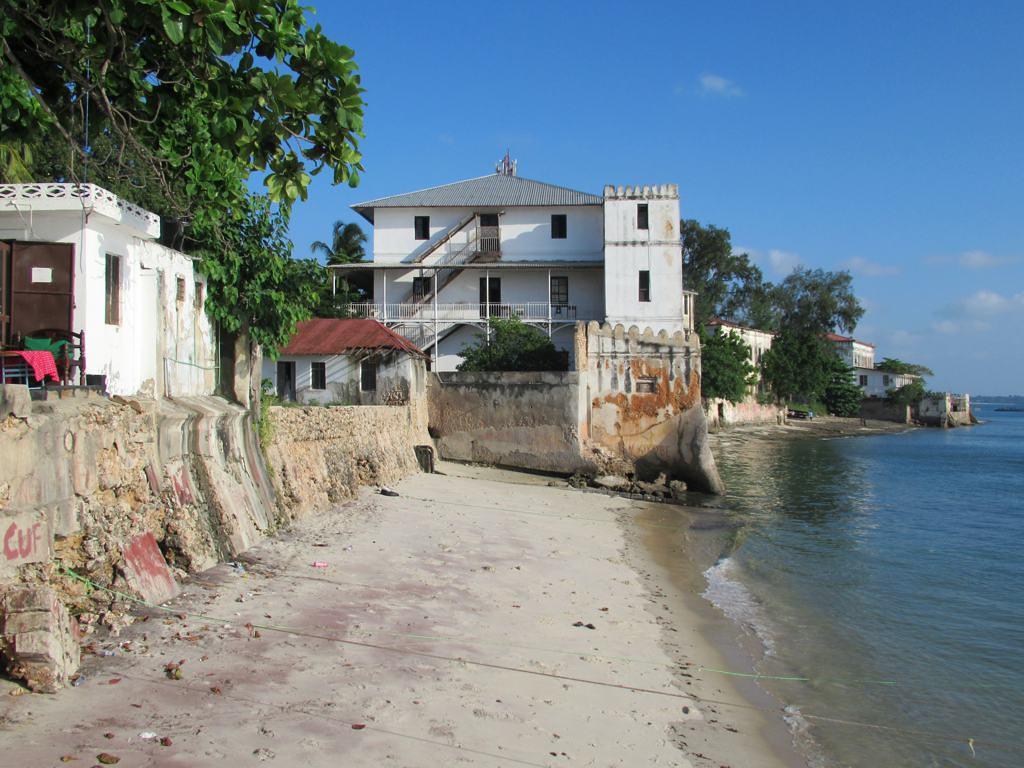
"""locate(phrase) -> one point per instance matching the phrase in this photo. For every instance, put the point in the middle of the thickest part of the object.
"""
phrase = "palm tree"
(347, 244)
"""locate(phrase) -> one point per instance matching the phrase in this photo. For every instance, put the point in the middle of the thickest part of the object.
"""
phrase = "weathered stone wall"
(721, 413)
(631, 407)
(884, 410)
(529, 419)
(86, 482)
(319, 455)
(643, 394)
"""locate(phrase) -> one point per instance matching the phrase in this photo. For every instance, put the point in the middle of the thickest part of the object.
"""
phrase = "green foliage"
(264, 425)
(816, 301)
(513, 346)
(254, 285)
(799, 364)
(186, 86)
(908, 394)
(348, 244)
(725, 366)
(728, 284)
(895, 365)
(841, 395)
(186, 100)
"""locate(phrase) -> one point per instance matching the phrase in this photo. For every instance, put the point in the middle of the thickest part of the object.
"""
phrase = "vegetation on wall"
(512, 345)
(726, 371)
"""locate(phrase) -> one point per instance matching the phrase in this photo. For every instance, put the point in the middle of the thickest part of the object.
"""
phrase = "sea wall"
(885, 410)
(319, 456)
(721, 413)
(643, 401)
(631, 407)
(516, 419)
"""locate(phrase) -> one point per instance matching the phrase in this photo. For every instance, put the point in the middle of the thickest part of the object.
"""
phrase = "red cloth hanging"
(41, 362)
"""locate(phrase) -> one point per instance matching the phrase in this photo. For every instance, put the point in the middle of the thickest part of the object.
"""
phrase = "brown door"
(5, 300)
(42, 287)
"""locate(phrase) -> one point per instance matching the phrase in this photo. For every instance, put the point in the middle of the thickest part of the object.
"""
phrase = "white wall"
(160, 346)
(628, 250)
(525, 232)
(343, 373)
(880, 383)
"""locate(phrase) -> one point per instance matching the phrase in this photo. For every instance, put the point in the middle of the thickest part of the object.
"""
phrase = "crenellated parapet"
(642, 192)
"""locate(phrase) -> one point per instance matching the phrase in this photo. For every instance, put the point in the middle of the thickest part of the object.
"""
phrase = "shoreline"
(451, 623)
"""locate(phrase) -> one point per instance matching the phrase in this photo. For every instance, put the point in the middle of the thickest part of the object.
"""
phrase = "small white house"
(447, 258)
(84, 261)
(347, 362)
(757, 340)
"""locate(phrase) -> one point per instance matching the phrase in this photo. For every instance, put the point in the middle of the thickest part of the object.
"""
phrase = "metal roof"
(494, 190)
(333, 336)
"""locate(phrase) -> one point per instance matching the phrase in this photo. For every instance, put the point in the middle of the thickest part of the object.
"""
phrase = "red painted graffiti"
(23, 543)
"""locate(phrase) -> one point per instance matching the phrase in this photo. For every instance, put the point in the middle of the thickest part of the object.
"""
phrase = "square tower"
(643, 257)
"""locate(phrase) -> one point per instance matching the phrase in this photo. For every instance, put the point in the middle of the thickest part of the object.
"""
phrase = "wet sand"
(481, 618)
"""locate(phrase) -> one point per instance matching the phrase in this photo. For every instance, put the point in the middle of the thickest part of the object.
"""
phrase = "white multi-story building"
(856, 354)
(501, 245)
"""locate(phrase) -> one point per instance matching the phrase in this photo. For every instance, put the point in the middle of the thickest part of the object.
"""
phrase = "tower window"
(422, 225)
(641, 216)
(645, 285)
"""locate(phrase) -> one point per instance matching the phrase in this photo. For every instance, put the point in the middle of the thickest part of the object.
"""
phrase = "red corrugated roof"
(836, 337)
(333, 336)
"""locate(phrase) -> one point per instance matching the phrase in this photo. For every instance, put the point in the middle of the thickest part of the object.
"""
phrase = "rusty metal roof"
(334, 336)
(492, 191)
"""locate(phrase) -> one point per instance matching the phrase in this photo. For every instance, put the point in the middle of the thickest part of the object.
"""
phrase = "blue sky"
(887, 139)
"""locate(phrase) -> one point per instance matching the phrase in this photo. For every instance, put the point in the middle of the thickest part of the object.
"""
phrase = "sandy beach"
(480, 618)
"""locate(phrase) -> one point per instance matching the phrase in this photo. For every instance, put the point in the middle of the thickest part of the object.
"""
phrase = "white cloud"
(990, 303)
(976, 259)
(778, 262)
(783, 262)
(946, 326)
(718, 85)
(901, 338)
(867, 268)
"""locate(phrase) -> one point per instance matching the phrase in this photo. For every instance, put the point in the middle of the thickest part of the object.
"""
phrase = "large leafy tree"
(347, 246)
(512, 345)
(174, 104)
(726, 371)
(728, 284)
(185, 86)
(809, 303)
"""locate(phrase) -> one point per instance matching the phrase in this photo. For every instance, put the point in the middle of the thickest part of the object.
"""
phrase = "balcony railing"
(531, 311)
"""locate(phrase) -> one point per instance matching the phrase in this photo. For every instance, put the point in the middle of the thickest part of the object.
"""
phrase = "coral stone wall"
(318, 456)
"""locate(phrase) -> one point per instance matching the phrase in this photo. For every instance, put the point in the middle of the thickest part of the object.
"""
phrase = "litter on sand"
(319, 564)
(385, 491)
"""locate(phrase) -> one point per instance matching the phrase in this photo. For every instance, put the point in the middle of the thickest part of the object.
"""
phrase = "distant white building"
(501, 245)
(856, 354)
(757, 340)
(84, 262)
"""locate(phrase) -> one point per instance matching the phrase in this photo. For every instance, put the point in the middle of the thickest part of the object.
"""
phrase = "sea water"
(889, 571)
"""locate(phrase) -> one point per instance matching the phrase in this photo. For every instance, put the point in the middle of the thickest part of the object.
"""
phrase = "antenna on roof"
(507, 166)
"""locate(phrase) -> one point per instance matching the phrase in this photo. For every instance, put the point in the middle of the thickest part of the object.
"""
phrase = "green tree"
(348, 244)
(895, 365)
(726, 371)
(185, 100)
(798, 365)
(841, 395)
(184, 84)
(513, 346)
(908, 394)
(809, 303)
(255, 287)
(816, 301)
(728, 284)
